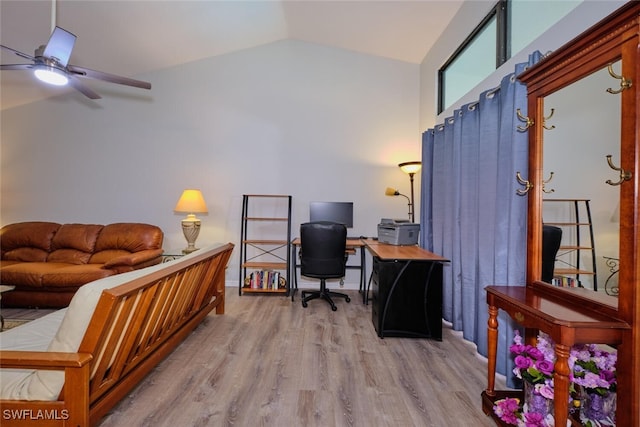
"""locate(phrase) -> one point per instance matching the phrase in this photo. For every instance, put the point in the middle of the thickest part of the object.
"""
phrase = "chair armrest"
(134, 258)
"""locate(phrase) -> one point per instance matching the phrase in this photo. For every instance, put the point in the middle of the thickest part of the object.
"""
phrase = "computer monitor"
(341, 212)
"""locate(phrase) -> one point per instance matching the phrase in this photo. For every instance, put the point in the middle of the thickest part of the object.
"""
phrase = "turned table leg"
(492, 349)
(561, 385)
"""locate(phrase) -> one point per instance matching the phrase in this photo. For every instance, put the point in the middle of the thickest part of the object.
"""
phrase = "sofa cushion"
(69, 256)
(27, 241)
(33, 336)
(121, 239)
(74, 243)
(28, 274)
(132, 237)
(26, 255)
(5, 263)
(106, 256)
(74, 275)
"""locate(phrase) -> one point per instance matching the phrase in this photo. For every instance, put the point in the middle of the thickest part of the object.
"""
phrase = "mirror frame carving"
(615, 38)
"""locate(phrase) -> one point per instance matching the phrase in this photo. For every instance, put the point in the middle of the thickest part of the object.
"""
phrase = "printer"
(398, 232)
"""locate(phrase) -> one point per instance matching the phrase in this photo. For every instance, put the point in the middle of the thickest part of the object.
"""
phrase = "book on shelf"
(264, 279)
(565, 282)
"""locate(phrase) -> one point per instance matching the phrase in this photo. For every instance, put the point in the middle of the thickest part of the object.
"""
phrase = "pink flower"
(523, 362)
(534, 419)
(608, 376)
(517, 348)
(544, 366)
(535, 353)
(545, 390)
(508, 410)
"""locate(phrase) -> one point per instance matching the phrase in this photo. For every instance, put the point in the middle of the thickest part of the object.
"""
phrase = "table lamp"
(191, 202)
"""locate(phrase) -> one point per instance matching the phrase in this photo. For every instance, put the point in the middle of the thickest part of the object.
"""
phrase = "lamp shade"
(191, 201)
(391, 192)
(410, 167)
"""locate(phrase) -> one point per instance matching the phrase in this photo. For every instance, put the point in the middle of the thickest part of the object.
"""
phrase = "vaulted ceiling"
(133, 37)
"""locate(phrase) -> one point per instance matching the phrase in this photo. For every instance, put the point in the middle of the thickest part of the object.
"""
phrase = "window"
(509, 27)
(529, 19)
(477, 57)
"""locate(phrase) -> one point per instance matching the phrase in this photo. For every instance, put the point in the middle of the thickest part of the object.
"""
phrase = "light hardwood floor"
(270, 362)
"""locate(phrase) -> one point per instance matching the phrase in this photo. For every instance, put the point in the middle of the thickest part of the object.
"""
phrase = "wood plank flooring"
(271, 362)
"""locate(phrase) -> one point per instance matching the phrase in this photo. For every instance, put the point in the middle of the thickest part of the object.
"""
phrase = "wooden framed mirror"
(591, 124)
(581, 194)
(584, 109)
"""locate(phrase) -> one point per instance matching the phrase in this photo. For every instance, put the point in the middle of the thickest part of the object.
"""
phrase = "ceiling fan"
(51, 65)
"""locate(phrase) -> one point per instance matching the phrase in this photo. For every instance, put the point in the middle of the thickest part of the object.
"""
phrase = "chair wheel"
(334, 308)
(347, 299)
(304, 304)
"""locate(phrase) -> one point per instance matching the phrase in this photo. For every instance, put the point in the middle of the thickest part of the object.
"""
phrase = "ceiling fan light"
(51, 75)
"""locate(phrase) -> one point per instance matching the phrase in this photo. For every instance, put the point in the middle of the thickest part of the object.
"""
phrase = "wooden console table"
(564, 321)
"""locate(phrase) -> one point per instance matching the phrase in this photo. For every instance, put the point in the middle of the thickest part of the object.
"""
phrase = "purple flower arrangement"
(534, 365)
(593, 369)
(509, 411)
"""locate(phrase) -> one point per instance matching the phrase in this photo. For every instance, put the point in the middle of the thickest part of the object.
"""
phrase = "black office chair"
(551, 238)
(323, 256)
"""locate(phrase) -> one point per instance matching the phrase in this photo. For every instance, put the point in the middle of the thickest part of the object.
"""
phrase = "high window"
(510, 26)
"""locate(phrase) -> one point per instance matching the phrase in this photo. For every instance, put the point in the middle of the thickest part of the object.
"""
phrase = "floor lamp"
(410, 168)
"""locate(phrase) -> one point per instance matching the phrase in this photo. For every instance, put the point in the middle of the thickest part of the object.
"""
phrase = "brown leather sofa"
(47, 262)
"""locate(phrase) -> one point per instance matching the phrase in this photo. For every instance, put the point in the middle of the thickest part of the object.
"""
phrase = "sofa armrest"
(134, 259)
(42, 360)
(72, 408)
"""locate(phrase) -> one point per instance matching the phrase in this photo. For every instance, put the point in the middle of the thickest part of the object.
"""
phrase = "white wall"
(285, 118)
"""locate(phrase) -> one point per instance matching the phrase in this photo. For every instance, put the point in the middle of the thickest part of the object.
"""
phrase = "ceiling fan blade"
(85, 90)
(112, 78)
(15, 67)
(17, 52)
(60, 45)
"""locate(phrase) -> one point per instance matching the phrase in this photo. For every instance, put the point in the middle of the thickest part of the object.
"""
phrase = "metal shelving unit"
(265, 244)
(577, 238)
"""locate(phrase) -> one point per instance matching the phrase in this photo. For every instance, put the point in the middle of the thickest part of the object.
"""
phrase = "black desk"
(406, 291)
(353, 245)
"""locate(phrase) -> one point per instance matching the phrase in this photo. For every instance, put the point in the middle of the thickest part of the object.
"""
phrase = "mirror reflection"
(582, 128)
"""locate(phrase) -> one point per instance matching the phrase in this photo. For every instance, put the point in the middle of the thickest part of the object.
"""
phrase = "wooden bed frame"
(134, 326)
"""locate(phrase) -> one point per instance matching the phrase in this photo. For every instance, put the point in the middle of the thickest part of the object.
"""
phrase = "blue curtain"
(470, 211)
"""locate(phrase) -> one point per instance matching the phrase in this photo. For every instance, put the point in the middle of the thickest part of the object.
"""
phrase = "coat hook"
(544, 123)
(527, 120)
(624, 175)
(624, 83)
(548, 181)
(527, 185)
